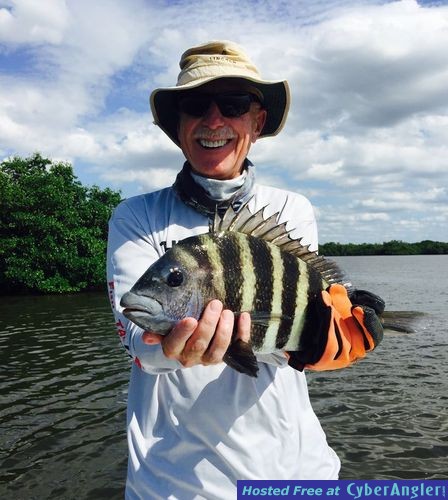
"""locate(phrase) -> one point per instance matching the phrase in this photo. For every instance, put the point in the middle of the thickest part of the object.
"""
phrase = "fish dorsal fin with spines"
(269, 229)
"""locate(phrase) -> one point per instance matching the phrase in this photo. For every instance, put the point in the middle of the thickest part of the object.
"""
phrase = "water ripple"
(64, 384)
(63, 390)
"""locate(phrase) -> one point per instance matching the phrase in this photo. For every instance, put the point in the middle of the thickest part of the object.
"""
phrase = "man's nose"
(213, 117)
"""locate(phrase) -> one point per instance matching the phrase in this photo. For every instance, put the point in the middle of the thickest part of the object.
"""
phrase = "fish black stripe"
(290, 283)
(229, 252)
(199, 252)
(301, 308)
(315, 283)
(339, 339)
(269, 342)
(263, 268)
(315, 317)
(197, 248)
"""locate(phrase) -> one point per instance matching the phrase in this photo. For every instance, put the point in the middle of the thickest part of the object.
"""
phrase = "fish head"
(171, 289)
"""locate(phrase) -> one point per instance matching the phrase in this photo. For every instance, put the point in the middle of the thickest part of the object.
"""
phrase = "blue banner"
(345, 489)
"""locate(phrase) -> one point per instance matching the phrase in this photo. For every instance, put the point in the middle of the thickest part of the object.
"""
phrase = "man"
(196, 426)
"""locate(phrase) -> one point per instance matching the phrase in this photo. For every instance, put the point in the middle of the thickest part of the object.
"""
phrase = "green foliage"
(394, 247)
(53, 230)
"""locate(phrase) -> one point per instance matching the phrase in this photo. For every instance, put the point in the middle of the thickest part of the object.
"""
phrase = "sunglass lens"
(195, 105)
(233, 106)
(230, 105)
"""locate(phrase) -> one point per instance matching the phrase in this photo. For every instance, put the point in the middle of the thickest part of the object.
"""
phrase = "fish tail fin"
(241, 358)
(402, 321)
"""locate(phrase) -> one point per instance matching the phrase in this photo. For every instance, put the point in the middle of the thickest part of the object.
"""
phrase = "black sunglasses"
(230, 104)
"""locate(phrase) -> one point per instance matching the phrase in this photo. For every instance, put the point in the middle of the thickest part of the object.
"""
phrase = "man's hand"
(202, 342)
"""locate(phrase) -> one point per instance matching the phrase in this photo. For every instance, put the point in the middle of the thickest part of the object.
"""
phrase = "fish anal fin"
(241, 358)
(295, 361)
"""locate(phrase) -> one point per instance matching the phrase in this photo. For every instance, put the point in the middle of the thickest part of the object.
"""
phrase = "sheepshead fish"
(249, 263)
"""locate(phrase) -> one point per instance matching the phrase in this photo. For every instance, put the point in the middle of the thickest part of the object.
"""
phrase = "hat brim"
(276, 101)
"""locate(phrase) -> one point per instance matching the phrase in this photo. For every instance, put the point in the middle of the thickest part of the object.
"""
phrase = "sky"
(366, 139)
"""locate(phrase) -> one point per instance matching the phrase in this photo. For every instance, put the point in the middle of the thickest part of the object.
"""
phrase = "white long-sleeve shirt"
(193, 432)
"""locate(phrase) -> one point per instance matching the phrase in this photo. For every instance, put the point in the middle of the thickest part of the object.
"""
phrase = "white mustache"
(223, 133)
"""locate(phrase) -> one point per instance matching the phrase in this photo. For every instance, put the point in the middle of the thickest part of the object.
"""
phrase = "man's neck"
(205, 199)
(220, 190)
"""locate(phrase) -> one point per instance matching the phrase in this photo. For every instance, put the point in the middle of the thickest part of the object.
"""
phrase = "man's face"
(215, 145)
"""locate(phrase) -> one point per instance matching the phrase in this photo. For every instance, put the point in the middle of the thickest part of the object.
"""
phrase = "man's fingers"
(205, 341)
(198, 343)
(151, 338)
(174, 343)
(221, 340)
(244, 323)
(209, 320)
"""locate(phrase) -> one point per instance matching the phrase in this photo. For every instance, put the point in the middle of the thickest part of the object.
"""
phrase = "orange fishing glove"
(342, 329)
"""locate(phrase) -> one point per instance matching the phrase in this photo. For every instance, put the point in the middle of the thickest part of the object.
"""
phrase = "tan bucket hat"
(213, 61)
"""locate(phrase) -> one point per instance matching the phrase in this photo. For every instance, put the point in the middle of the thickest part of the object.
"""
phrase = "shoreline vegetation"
(53, 230)
(393, 247)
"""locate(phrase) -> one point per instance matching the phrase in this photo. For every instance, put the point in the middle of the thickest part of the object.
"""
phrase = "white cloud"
(148, 179)
(367, 135)
(28, 21)
(325, 170)
(383, 64)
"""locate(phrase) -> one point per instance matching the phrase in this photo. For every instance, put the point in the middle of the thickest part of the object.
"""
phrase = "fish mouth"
(141, 310)
(134, 313)
(139, 303)
(146, 312)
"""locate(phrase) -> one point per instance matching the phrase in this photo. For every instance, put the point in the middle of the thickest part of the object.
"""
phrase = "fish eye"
(175, 277)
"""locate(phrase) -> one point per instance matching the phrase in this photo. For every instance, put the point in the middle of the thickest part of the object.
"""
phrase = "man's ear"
(260, 120)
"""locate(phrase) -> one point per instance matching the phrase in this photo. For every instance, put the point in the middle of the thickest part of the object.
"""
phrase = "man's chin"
(219, 170)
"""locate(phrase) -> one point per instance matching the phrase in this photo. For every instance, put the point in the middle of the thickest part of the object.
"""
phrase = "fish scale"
(271, 336)
(291, 275)
(250, 281)
(229, 252)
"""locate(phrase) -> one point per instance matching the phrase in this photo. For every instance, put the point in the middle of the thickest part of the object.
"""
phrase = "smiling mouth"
(209, 144)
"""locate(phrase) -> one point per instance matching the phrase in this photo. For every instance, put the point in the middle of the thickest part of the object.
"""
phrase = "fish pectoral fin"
(262, 318)
(241, 358)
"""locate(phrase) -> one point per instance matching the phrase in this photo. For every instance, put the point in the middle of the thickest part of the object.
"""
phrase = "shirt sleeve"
(130, 251)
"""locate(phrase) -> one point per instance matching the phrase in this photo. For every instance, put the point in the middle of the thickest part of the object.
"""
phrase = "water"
(387, 416)
(64, 380)
(63, 399)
